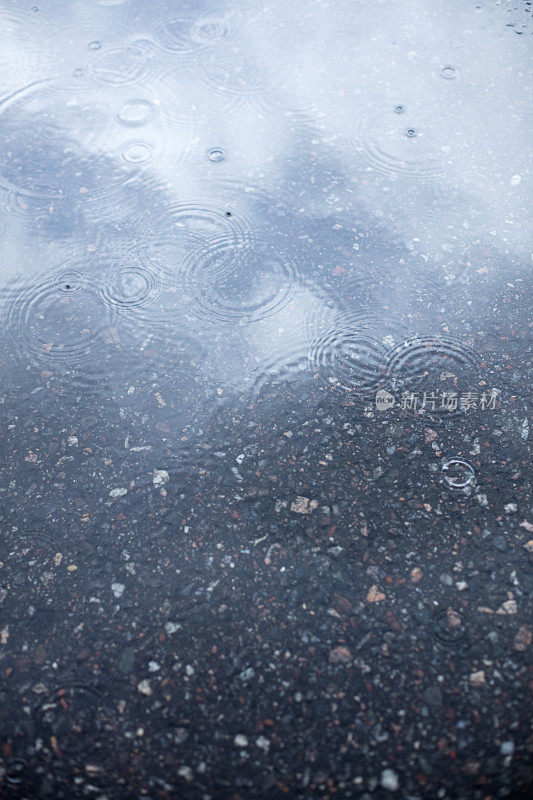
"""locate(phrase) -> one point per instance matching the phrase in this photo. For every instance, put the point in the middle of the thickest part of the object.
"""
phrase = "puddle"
(264, 303)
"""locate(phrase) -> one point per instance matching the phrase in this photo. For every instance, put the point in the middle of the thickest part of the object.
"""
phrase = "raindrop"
(399, 110)
(424, 358)
(56, 323)
(132, 286)
(216, 155)
(75, 715)
(15, 769)
(243, 281)
(447, 626)
(126, 65)
(458, 474)
(449, 73)
(420, 151)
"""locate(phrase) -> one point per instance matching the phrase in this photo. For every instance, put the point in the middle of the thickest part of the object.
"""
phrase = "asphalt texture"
(265, 521)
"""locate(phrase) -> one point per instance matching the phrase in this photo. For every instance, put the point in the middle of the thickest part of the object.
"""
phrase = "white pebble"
(389, 780)
(118, 589)
(160, 477)
(118, 492)
(241, 740)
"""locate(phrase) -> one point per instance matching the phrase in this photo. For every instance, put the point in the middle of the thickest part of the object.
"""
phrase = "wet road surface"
(264, 360)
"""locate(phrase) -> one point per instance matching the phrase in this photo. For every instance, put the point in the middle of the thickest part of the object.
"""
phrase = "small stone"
(416, 574)
(72, 568)
(374, 595)
(118, 589)
(509, 607)
(510, 508)
(523, 639)
(527, 525)
(72, 441)
(240, 740)
(303, 505)
(118, 492)
(144, 687)
(262, 743)
(507, 748)
(172, 627)
(186, 773)
(340, 655)
(153, 666)
(160, 477)
(477, 678)
(389, 780)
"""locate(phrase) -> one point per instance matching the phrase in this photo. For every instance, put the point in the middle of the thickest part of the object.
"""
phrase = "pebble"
(303, 505)
(186, 773)
(240, 740)
(340, 655)
(160, 477)
(172, 627)
(119, 492)
(144, 687)
(478, 678)
(389, 780)
(523, 638)
(118, 589)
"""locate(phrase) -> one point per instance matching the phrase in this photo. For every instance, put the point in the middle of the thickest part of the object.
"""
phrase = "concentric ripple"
(56, 323)
(458, 473)
(187, 36)
(244, 281)
(416, 143)
(448, 627)
(425, 359)
(131, 286)
(124, 65)
(352, 352)
(232, 78)
(73, 717)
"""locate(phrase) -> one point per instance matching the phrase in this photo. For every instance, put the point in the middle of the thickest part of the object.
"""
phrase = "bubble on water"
(15, 771)
(420, 150)
(94, 45)
(449, 73)
(399, 110)
(216, 155)
(136, 112)
(63, 147)
(138, 152)
(448, 627)
(74, 717)
(457, 473)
